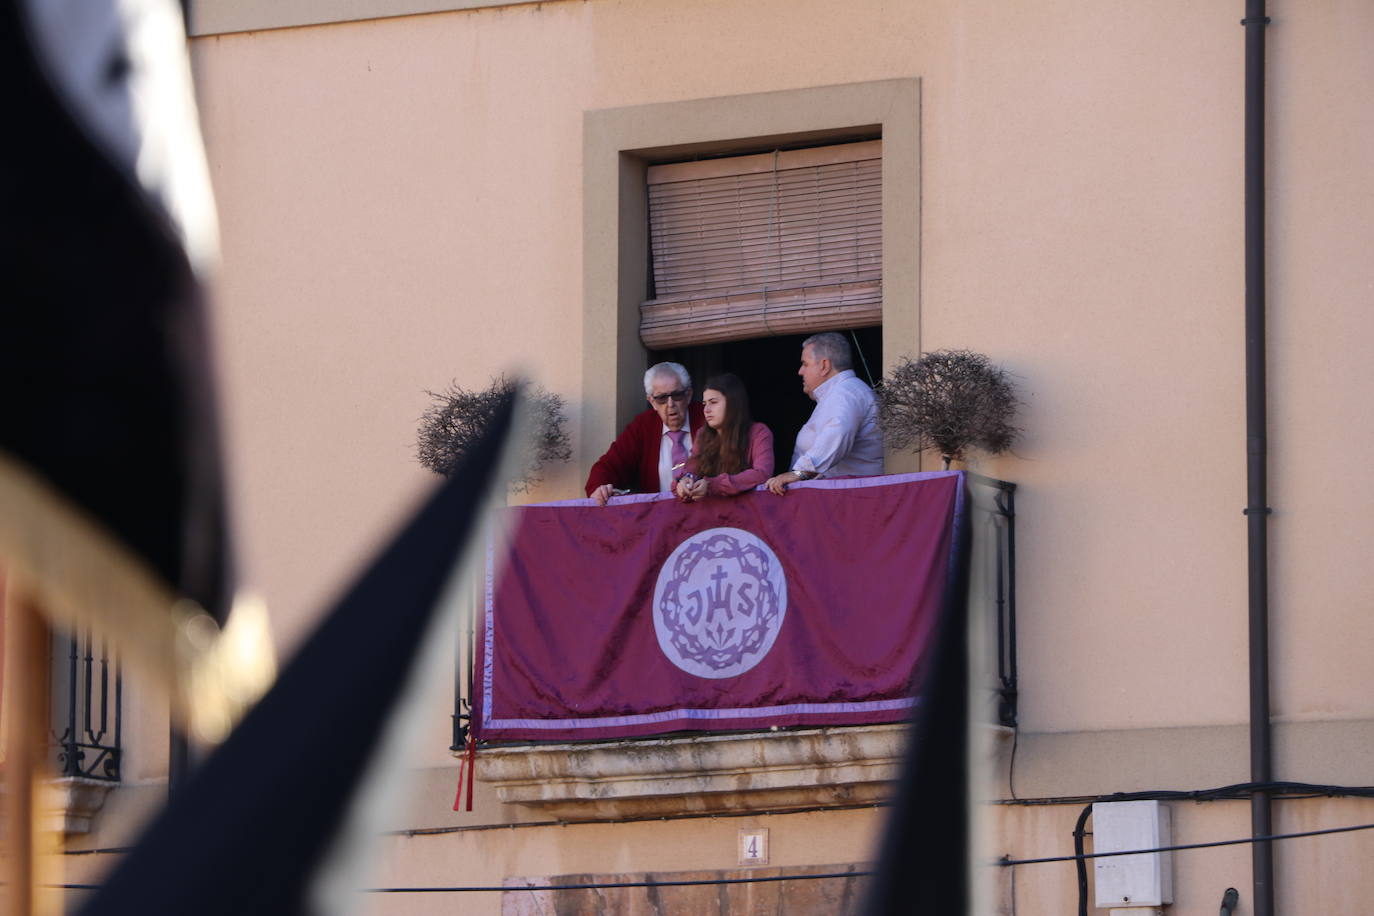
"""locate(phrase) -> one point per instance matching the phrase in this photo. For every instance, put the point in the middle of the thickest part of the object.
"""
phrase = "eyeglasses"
(679, 395)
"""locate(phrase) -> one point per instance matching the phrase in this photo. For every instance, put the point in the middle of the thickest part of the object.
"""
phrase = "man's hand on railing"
(779, 483)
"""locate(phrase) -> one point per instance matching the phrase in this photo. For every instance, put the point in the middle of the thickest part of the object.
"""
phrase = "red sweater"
(631, 463)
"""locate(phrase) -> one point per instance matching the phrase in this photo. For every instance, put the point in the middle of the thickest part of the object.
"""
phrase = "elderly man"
(648, 454)
(842, 437)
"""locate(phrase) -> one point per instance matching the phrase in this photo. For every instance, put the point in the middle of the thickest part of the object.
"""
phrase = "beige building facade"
(417, 193)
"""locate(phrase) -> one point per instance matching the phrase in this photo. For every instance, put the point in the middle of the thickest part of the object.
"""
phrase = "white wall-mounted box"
(1140, 880)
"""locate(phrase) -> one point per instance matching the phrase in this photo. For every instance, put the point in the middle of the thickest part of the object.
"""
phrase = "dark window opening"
(768, 366)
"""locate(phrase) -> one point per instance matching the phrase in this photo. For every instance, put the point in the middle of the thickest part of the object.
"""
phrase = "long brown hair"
(726, 451)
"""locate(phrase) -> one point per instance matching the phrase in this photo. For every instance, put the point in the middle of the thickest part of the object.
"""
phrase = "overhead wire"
(1350, 828)
(762, 879)
(1231, 792)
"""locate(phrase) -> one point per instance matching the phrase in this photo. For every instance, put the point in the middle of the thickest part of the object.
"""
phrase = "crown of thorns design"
(702, 623)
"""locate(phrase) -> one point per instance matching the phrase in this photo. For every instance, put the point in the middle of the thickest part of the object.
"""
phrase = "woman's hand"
(690, 488)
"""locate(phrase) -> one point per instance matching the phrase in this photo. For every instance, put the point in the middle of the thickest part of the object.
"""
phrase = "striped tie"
(679, 453)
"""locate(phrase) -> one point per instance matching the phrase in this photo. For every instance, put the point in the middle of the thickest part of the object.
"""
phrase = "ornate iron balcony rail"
(87, 688)
(992, 583)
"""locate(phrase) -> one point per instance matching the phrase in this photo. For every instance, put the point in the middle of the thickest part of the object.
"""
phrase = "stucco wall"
(402, 204)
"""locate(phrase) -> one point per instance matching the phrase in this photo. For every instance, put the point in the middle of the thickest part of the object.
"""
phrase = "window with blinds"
(777, 243)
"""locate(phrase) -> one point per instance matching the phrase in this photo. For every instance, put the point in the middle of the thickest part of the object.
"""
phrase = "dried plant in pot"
(948, 400)
(457, 418)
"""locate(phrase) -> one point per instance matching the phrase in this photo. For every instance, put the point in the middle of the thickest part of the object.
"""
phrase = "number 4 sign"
(753, 846)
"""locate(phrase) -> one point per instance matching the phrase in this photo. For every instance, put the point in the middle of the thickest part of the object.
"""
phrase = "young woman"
(733, 453)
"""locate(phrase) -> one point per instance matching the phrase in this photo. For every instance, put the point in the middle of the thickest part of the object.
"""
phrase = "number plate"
(753, 846)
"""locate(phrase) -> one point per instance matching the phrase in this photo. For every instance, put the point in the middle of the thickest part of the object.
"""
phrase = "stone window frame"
(620, 143)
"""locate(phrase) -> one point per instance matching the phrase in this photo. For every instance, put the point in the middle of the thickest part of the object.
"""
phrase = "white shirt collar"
(829, 383)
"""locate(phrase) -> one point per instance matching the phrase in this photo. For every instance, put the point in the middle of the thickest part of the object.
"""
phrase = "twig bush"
(948, 400)
(457, 418)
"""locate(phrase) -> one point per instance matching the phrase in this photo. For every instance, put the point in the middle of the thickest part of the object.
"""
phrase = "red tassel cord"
(467, 767)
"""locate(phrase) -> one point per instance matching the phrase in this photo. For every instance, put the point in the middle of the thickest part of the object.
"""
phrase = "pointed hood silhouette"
(258, 822)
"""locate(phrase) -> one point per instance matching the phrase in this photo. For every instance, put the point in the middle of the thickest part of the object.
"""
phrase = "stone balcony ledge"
(69, 804)
(702, 774)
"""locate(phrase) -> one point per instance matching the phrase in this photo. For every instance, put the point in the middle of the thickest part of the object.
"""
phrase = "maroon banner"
(650, 616)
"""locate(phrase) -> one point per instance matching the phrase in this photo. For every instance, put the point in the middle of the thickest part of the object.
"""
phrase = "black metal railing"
(992, 583)
(87, 687)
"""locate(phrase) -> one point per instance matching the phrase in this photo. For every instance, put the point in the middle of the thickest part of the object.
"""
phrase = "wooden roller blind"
(777, 243)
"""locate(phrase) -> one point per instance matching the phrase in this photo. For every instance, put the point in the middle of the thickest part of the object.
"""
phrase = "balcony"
(85, 736)
(778, 768)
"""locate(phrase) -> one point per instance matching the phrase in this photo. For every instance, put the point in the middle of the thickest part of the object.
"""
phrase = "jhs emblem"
(719, 603)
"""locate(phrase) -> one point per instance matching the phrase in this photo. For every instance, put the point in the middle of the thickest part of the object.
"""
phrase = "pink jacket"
(760, 466)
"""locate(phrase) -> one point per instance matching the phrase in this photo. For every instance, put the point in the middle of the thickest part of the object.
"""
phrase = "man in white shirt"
(842, 438)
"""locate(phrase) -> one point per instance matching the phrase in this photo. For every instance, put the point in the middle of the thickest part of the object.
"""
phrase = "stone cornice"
(755, 771)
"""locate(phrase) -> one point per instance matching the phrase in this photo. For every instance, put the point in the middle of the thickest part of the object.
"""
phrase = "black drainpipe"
(1257, 510)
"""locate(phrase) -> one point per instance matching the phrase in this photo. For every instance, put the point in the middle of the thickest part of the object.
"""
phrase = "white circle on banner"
(719, 602)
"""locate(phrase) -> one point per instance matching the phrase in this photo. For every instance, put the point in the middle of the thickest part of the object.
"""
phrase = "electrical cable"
(604, 885)
(609, 885)
(411, 832)
(1230, 792)
(1081, 865)
(860, 350)
(1011, 764)
(1297, 790)
(1137, 852)
(761, 879)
